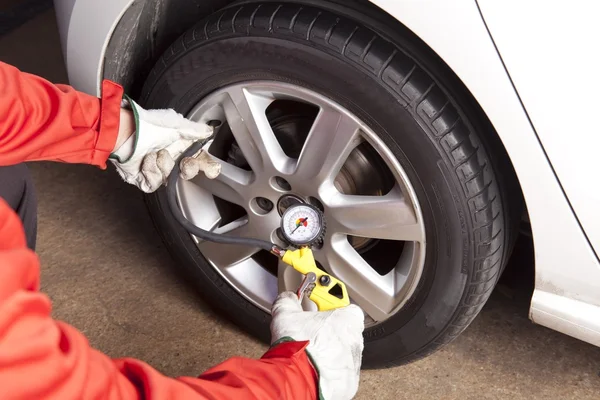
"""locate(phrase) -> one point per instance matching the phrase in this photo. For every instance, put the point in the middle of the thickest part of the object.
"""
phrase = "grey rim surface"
(334, 135)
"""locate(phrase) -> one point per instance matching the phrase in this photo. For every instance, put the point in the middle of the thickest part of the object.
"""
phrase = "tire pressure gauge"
(303, 225)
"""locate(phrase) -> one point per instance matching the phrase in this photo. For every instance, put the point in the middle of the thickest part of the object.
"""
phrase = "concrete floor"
(109, 275)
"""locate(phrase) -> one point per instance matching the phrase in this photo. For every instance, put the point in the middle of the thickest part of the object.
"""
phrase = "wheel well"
(149, 27)
(144, 32)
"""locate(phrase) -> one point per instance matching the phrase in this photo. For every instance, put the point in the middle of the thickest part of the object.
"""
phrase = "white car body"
(532, 68)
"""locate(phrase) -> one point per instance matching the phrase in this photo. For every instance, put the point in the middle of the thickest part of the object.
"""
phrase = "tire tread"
(432, 106)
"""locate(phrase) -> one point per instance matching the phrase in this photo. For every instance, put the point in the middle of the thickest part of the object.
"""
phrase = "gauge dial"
(302, 224)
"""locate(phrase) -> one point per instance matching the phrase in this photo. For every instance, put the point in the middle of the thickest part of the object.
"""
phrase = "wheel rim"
(337, 166)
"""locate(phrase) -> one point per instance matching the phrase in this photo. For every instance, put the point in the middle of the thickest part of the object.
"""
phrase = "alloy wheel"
(280, 143)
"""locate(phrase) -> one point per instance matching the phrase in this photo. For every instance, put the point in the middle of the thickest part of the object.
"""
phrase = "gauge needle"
(302, 221)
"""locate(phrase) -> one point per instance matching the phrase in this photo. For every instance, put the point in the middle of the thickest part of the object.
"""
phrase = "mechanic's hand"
(336, 342)
(161, 136)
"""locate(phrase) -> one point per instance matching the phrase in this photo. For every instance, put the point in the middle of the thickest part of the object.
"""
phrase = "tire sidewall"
(217, 63)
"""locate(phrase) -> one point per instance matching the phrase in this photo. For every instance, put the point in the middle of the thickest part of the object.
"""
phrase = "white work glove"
(336, 342)
(161, 136)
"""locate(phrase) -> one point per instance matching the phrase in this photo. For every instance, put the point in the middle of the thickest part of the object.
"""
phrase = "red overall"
(41, 358)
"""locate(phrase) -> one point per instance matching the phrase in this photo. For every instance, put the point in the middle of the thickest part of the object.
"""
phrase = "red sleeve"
(43, 121)
(44, 359)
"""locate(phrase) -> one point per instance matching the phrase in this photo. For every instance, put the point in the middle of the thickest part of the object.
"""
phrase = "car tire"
(419, 110)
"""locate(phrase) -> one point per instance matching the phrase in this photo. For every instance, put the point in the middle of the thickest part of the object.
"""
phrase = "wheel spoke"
(257, 283)
(231, 184)
(226, 255)
(287, 277)
(330, 141)
(245, 113)
(379, 217)
(372, 292)
(200, 207)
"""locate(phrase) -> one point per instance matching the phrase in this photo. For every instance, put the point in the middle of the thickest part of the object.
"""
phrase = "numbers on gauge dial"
(302, 224)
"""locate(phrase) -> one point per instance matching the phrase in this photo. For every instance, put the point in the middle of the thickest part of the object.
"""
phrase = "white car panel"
(579, 319)
(63, 10)
(554, 65)
(565, 263)
(567, 270)
(90, 26)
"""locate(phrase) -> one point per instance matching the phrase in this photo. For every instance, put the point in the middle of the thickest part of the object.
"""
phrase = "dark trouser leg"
(16, 188)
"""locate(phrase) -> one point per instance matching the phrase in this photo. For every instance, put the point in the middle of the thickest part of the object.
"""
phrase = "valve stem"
(279, 252)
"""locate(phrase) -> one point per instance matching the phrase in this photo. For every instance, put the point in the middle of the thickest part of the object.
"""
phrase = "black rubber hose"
(193, 229)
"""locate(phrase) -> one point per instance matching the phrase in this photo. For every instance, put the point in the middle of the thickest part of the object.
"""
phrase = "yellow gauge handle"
(303, 261)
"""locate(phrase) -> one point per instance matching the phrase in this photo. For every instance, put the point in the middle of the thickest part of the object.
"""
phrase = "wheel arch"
(145, 30)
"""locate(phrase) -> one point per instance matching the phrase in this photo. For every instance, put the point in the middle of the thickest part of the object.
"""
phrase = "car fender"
(85, 28)
(567, 271)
